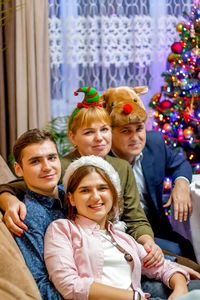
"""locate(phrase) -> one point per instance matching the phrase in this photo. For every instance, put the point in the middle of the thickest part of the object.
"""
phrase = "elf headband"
(95, 161)
(91, 98)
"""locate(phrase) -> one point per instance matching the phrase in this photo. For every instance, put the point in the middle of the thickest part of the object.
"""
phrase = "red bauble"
(165, 104)
(177, 48)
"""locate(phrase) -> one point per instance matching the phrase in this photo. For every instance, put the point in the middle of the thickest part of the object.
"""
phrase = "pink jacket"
(74, 257)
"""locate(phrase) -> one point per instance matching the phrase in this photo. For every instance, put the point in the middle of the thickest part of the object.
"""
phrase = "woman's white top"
(116, 270)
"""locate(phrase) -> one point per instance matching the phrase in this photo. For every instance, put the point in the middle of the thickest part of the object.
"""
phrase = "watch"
(136, 296)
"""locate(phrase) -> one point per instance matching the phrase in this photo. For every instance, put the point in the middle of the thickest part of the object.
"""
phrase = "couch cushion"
(5, 172)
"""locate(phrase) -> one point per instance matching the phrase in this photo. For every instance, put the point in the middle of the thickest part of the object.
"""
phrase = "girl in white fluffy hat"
(86, 256)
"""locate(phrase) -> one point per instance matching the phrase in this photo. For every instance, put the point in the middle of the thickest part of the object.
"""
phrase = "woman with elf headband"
(86, 256)
(90, 132)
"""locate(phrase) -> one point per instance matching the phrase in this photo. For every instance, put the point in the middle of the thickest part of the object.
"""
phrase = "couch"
(16, 281)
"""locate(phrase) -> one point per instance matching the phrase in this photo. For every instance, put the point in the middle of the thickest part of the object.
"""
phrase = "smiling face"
(132, 139)
(40, 168)
(92, 140)
(92, 198)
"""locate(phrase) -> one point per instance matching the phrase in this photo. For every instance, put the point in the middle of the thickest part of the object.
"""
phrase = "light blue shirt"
(140, 180)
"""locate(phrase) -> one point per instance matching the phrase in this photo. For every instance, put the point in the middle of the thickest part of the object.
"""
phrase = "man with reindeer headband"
(151, 161)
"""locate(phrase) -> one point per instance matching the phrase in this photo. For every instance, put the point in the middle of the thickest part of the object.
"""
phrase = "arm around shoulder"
(16, 187)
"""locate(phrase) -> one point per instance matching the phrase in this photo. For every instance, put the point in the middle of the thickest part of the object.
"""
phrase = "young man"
(151, 161)
(37, 161)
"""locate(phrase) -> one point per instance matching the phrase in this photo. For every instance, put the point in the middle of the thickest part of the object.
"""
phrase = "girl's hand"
(178, 283)
(178, 292)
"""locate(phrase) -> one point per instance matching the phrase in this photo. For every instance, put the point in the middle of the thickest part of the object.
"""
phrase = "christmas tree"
(177, 106)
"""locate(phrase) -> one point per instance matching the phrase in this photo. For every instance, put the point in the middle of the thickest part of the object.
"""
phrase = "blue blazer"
(160, 161)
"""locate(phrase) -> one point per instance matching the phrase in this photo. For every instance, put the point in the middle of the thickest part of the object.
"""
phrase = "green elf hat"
(91, 98)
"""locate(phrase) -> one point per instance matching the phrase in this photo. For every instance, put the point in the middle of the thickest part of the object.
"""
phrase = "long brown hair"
(75, 180)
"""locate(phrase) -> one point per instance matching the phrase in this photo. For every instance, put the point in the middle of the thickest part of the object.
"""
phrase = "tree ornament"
(167, 184)
(180, 134)
(156, 97)
(165, 85)
(184, 83)
(192, 31)
(189, 111)
(193, 41)
(177, 47)
(175, 83)
(166, 104)
(188, 132)
(196, 51)
(172, 57)
(198, 75)
(167, 127)
(179, 27)
(191, 155)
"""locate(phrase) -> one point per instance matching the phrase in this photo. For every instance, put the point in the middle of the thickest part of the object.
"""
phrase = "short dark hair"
(32, 136)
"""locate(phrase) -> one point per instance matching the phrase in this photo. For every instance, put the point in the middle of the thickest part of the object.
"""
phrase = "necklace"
(127, 256)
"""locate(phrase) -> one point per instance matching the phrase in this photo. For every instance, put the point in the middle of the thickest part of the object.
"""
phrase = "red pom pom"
(127, 109)
(75, 93)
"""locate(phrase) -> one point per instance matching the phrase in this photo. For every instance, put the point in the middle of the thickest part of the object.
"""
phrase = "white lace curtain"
(106, 43)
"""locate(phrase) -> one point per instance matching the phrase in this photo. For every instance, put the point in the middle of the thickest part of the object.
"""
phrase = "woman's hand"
(155, 256)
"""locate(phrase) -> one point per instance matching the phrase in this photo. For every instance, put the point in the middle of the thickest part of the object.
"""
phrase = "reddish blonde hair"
(87, 116)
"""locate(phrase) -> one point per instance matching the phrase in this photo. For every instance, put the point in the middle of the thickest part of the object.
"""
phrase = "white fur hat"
(95, 161)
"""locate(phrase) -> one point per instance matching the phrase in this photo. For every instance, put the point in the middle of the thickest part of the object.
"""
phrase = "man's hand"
(15, 213)
(180, 197)
(155, 256)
